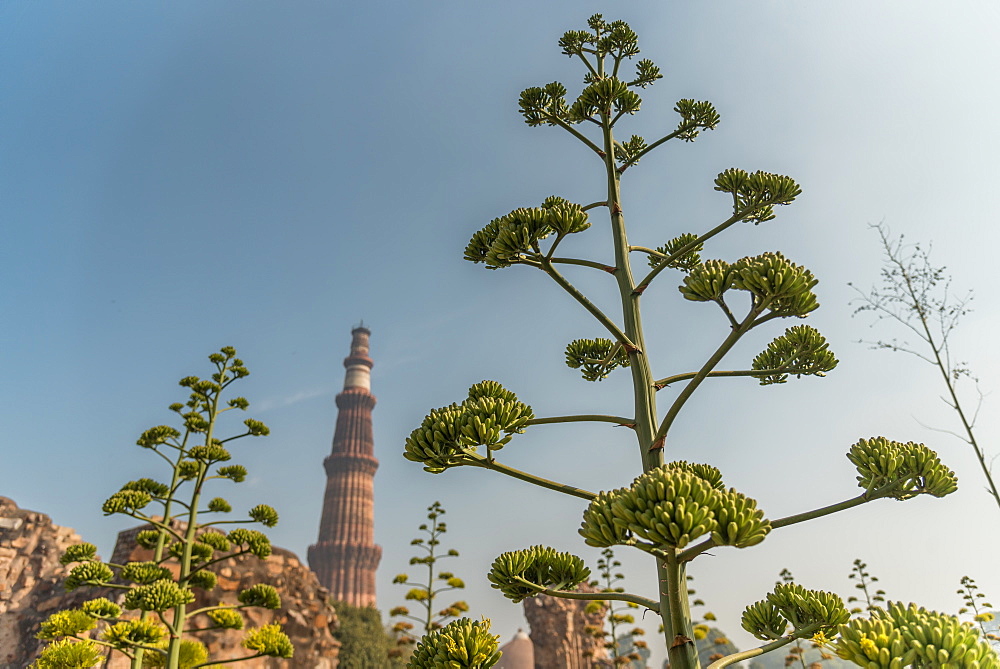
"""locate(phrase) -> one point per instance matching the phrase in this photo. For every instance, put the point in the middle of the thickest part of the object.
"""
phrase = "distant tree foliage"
(365, 643)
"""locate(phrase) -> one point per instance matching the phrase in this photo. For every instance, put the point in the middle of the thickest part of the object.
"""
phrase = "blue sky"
(178, 177)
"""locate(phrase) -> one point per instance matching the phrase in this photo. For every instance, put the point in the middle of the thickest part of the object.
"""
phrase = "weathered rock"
(31, 588)
(563, 634)
(30, 579)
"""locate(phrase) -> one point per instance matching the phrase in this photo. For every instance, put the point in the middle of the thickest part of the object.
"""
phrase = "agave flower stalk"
(673, 511)
(438, 582)
(183, 547)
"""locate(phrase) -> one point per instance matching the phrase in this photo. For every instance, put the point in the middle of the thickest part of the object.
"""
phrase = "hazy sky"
(176, 177)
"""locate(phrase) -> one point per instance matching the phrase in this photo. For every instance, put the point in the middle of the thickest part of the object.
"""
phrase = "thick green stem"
(235, 659)
(878, 493)
(677, 627)
(735, 218)
(584, 263)
(480, 461)
(675, 408)
(642, 376)
(593, 596)
(180, 611)
(602, 318)
(136, 662)
(662, 383)
(666, 138)
(618, 420)
(767, 648)
(833, 508)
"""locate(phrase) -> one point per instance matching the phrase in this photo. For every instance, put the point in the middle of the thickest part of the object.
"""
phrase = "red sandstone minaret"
(345, 556)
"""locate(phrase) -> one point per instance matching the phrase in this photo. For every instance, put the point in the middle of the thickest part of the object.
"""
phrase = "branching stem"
(766, 648)
(476, 460)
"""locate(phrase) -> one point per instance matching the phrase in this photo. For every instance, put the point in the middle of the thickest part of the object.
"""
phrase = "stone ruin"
(31, 589)
(563, 634)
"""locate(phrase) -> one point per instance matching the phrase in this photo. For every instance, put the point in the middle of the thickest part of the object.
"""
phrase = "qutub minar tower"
(345, 557)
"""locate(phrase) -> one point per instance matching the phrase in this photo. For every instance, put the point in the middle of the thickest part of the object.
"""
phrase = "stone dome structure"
(518, 653)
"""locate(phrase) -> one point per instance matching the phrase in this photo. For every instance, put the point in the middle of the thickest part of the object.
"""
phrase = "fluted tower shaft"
(345, 557)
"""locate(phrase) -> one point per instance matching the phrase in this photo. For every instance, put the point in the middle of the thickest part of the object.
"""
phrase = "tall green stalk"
(670, 505)
(183, 549)
(437, 582)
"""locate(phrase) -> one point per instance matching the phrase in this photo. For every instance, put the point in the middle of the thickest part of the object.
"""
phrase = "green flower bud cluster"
(489, 417)
(144, 572)
(126, 501)
(239, 403)
(210, 454)
(605, 95)
(646, 73)
(599, 527)
(155, 436)
(756, 194)
(615, 38)
(910, 469)
(673, 505)
(85, 552)
(776, 283)
(418, 595)
(69, 653)
(188, 469)
(227, 618)
(219, 505)
(791, 604)
(260, 595)
(514, 237)
(256, 428)
(200, 552)
(66, 623)
(148, 538)
(627, 152)
(907, 635)
(265, 515)
(269, 640)
(711, 475)
(89, 573)
(706, 282)
(687, 261)
(542, 105)
(461, 644)
(236, 473)
(148, 486)
(157, 596)
(205, 580)
(102, 608)
(216, 540)
(786, 288)
(591, 357)
(544, 568)
(256, 542)
(191, 654)
(695, 117)
(801, 348)
(128, 633)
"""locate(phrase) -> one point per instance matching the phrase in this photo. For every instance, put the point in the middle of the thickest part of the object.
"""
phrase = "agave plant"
(674, 511)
